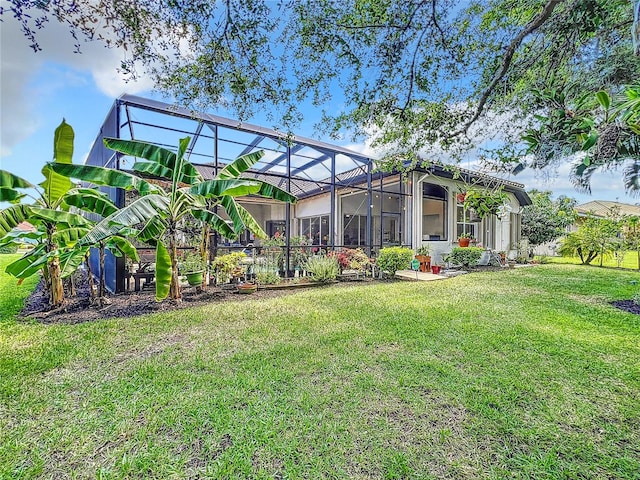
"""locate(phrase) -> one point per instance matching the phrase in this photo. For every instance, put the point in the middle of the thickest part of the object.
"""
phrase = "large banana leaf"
(152, 230)
(59, 217)
(69, 236)
(20, 237)
(12, 216)
(234, 187)
(30, 263)
(153, 169)
(90, 200)
(271, 191)
(240, 164)
(251, 223)
(9, 180)
(71, 260)
(231, 208)
(156, 154)
(10, 195)
(106, 176)
(163, 272)
(216, 222)
(56, 185)
(139, 211)
(123, 245)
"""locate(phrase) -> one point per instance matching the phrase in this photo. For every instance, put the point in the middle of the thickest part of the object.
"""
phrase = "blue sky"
(39, 89)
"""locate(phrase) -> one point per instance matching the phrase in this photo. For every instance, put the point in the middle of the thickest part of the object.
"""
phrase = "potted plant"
(247, 287)
(193, 267)
(464, 239)
(423, 255)
(485, 201)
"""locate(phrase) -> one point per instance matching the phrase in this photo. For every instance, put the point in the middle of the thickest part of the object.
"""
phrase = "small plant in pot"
(423, 255)
(464, 239)
(193, 267)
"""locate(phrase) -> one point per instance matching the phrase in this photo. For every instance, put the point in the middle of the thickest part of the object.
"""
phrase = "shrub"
(323, 269)
(267, 277)
(224, 265)
(351, 259)
(11, 248)
(192, 262)
(465, 256)
(392, 259)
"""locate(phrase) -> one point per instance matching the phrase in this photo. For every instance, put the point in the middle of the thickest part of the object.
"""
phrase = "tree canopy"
(546, 219)
(419, 77)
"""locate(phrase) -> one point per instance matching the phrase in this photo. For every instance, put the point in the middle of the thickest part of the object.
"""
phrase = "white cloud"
(20, 66)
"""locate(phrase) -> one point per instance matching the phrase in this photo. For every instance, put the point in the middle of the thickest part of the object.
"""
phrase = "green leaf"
(240, 165)
(153, 229)
(603, 99)
(9, 180)
(56, 185)
(217, 223)
(106, 176)
(124, 246)
(139, 211)
(590, 142)
(232, 209)
(91, 200)
(230, 187)
(251, 223)
(271, 191)
(20, 237)
(155, 154)
(69, 236)
(10, 195)
(163, 272)
(71, 260)
(58, 217)
(13, 216)
(29, 264)
(153, 169)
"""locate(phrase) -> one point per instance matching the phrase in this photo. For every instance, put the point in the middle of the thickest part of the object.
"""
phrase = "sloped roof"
(604, 208)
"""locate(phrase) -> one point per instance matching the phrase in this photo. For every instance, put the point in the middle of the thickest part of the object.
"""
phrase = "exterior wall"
(501, 228)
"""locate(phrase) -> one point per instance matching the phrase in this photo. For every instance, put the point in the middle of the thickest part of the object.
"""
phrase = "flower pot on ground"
(194, 278)
(193, 267)
(436, 269)
(247, 287)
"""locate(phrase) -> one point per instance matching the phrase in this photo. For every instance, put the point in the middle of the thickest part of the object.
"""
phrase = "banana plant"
(48, 212)
(178, 191)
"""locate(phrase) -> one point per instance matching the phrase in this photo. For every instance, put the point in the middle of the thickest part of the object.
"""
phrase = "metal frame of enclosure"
(302, 166)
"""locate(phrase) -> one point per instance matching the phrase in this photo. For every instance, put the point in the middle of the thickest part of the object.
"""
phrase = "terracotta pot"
(464, 242)
(460, 197)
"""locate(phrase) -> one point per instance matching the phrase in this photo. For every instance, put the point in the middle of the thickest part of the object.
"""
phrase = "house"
(607, 209)
(342, 200)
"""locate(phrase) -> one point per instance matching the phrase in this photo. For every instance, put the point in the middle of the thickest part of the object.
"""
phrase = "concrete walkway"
(421, 276)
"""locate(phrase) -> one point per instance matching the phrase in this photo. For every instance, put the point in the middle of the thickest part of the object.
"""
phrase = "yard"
(526, 373)
(629, 260)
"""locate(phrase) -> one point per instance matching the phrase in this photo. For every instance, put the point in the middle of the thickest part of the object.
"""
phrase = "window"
(434, 212)
(463, 222)
(316, 229)
(354, 231)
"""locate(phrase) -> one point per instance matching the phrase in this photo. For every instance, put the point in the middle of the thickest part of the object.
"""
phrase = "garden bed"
(78, 309)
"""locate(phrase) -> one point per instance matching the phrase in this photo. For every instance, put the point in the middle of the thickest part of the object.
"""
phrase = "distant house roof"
(604, 208)
(25, 227)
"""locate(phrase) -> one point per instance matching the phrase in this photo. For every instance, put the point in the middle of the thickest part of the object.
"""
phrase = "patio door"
(391, 229)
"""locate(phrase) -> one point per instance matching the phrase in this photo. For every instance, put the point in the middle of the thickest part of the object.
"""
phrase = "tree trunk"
(174, 288)
(92, 287)
(56, 292)
(204, 252)
(101, 284)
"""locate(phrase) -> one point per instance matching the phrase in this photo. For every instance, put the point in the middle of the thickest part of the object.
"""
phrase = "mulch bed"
(78, 309)
(628, 306)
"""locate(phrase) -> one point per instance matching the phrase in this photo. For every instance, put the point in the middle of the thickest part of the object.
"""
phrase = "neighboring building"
(342, 201)
(607, 209)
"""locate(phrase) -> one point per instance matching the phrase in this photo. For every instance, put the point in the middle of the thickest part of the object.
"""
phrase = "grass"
(527, 373)
(629, 260)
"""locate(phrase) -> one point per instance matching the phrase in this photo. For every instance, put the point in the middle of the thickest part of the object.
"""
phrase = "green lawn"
(630, 260)
(527, 373)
